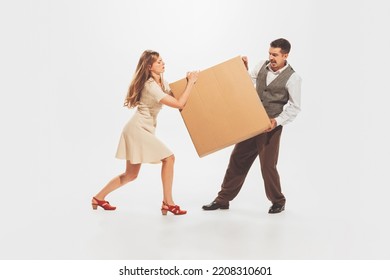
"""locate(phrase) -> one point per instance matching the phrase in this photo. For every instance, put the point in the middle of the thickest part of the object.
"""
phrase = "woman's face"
(158, 66)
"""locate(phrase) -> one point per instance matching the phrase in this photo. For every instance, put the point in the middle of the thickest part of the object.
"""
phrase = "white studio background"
(65, 68)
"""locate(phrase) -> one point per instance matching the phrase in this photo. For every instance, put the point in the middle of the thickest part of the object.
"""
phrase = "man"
(279, 89)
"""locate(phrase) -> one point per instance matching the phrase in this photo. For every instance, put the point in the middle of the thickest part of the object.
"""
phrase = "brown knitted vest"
(275, 95)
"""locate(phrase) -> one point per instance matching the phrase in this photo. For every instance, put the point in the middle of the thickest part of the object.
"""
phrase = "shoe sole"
(276, 212)
(212, 209)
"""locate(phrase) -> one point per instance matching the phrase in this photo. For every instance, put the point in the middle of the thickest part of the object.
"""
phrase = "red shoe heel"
(174, 209)
(102, 203)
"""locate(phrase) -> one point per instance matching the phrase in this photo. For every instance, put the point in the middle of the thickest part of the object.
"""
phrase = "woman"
(148, 91)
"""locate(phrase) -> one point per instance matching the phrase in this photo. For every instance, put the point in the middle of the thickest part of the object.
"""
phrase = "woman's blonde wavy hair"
(141, 75)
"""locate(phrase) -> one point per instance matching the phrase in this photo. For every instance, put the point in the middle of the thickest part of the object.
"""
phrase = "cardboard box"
(223, 108)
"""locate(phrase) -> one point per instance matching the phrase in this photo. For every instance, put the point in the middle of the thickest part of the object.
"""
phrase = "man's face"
(277, 59)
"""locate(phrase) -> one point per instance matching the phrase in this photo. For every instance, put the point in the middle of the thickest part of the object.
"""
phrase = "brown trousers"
(266, 146)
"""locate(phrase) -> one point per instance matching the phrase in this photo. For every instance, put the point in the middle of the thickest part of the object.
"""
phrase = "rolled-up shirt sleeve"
(254, 72)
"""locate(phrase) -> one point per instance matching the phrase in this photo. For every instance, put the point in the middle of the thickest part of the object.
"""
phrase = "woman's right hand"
(192, 77)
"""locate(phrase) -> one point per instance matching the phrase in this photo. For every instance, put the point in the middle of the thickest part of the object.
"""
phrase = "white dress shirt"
(293, 86)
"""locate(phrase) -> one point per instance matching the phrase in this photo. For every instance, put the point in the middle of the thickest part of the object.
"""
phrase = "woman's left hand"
(192, 77)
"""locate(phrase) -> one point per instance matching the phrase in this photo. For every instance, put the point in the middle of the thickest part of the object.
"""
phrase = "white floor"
(54, 220)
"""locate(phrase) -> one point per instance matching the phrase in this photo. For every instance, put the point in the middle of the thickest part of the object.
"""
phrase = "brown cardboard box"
(223, 108)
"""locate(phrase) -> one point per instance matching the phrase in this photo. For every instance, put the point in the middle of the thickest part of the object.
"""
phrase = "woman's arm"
(180, 102)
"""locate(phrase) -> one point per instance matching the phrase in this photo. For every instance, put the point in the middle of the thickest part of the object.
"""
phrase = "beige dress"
(138, 142)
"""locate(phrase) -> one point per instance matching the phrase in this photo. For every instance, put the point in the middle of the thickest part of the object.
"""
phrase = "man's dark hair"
(281, 43)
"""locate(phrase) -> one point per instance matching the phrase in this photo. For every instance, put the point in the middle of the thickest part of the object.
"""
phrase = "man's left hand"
(273, 125)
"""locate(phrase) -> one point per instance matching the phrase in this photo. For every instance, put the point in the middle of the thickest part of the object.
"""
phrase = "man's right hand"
(245, 60)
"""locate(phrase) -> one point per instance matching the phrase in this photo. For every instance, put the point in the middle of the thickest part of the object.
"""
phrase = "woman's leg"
(129, 175)
(167, 179)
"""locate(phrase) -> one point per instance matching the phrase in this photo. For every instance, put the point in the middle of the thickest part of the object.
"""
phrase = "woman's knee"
(170, 159)
(128, 177)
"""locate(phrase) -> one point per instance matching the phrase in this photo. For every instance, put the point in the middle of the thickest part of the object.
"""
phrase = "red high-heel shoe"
(102, 203)
(174, 209)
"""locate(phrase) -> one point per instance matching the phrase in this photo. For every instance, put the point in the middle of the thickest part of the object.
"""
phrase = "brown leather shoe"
(276, 208)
